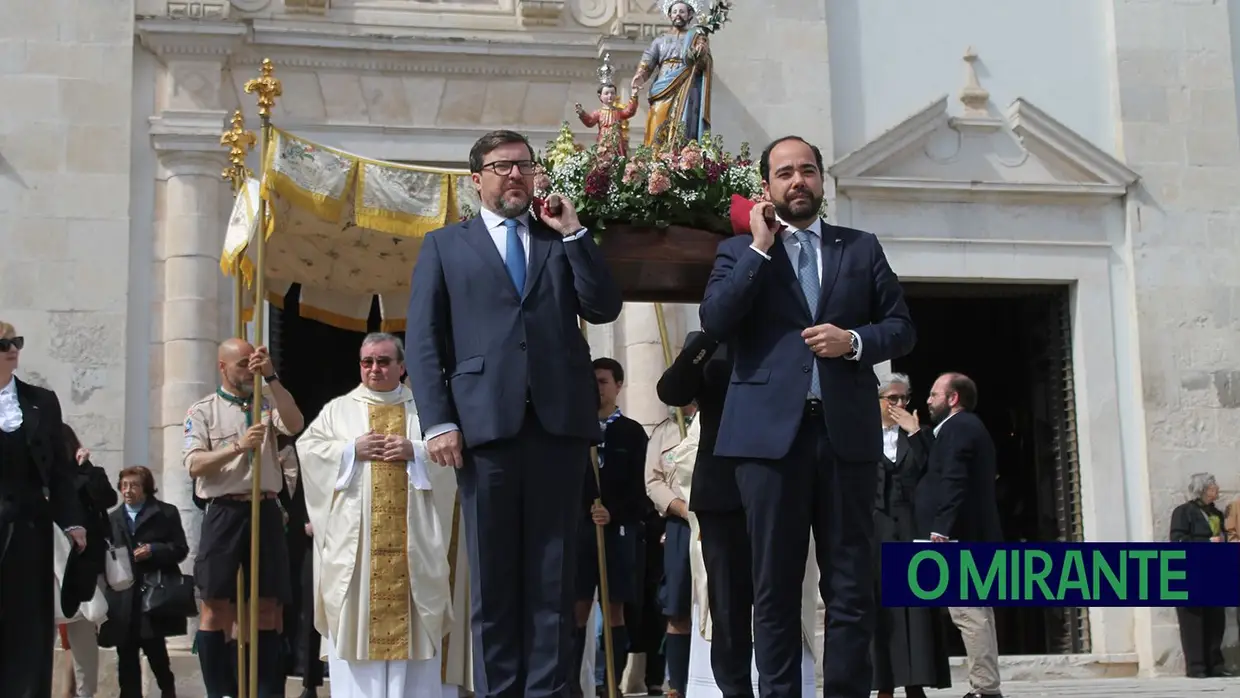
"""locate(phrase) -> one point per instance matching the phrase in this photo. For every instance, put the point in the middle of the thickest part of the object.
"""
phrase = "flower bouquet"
(690, 187)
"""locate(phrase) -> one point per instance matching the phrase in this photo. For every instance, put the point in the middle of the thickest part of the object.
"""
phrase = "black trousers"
(729, 588)
(27, 610)
(1201, 636)
(521, 499)
(811, 489)
(129, 666)
(308, 638)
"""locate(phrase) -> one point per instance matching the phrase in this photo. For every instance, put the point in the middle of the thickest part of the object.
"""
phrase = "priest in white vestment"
(382, 579)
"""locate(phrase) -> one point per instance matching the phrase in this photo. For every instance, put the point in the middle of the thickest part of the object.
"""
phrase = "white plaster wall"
(890, 58)
(65, 77)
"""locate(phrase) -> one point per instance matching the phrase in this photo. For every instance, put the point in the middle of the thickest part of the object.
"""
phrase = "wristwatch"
(275, 377)
(854, 343)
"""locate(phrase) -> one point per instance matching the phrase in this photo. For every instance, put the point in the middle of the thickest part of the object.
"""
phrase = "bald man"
(219, 440)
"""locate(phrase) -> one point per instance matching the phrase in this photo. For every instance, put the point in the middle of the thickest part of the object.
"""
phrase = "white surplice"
(339, 503)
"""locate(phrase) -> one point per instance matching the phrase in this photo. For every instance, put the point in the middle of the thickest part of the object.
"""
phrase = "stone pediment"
(1025, 154)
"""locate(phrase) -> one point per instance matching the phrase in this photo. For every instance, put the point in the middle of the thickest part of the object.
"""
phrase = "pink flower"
(690, 159)
(659, 183)
(542, 182)
(632, 173)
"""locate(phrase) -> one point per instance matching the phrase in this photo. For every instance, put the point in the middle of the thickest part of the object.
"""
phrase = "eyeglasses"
(897, 399)
(12, 343)
(381, 362)
(504, 167)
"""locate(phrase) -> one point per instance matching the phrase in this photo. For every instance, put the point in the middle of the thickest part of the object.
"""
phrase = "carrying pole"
(667, 362)
(239, 142)
(267, 87)
(604, 594)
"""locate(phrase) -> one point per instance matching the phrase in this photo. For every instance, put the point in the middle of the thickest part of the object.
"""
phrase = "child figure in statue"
(613, 119)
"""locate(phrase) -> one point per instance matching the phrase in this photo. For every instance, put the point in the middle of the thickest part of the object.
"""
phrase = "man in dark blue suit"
(807, 308)
(506, 393)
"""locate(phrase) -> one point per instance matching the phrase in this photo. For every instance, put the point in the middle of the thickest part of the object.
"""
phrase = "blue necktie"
(514, 256)
(807, 274)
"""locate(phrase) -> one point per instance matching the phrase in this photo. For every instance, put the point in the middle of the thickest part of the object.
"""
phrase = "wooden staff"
(609, 650)
(239, 142)
(268, 87)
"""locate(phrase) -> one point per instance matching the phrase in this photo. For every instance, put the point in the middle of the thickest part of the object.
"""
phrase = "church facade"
(1087, 150)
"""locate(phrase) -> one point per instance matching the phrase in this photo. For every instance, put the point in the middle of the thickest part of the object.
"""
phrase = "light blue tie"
(807, 274)
(514, 256)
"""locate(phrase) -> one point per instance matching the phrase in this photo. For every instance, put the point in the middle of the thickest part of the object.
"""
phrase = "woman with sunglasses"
(33, 460)
(908, 648)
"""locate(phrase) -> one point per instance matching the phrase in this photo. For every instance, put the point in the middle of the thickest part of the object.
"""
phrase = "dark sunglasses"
(12, 343)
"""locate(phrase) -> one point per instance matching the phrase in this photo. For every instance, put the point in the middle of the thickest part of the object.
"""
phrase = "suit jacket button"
(522, 345)
(805, 369)
(751, 274)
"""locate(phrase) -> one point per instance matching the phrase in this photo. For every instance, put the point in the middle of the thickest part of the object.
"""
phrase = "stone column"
(189, 238)
(1174, 96)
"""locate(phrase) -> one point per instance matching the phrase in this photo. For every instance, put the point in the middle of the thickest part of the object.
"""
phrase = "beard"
(511, 203)
(938, 413)
(804, 207)
(679, 22)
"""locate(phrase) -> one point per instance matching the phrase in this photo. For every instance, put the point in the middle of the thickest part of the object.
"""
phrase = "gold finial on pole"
(239, 143)
(268, 87)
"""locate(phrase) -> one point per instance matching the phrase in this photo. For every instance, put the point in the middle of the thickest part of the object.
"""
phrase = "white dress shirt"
(10, 410)
(891, 441)
(788, 238)
(499, 235)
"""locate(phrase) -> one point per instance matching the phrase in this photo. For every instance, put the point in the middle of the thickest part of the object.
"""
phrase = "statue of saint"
(681, 65)
(613, 119)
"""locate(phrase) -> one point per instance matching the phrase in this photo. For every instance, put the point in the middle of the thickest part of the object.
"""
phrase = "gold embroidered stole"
(390, 603)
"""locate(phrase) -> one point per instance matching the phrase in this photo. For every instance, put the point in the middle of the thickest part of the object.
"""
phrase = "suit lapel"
(541, 239)
(832, 256)
(901, 448)
(148, 510)
(31, 425)
(479, 238)
(787, 274)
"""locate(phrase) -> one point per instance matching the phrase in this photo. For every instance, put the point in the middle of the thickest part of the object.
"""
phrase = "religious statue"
(680, 62)
(613, 119)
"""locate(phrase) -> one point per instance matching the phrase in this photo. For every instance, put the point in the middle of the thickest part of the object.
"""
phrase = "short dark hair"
(764, 163)
(605, 86)
(490, 142)
(609, 364)
(142, 473)
(71, 440)
(964, 388)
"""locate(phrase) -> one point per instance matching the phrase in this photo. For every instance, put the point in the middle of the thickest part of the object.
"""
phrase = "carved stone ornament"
(207, 9)
(593, 13)
(973, 95)
(540, 13)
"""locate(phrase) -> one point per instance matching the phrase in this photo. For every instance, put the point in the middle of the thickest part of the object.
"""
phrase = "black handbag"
(168, 595)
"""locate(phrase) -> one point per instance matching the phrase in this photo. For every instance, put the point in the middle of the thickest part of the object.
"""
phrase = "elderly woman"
(36, 490)
(907, 649)
(152, 532)
(1201, 628)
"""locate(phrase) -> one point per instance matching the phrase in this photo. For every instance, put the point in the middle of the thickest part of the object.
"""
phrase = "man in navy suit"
(505, 391)
(807, 308)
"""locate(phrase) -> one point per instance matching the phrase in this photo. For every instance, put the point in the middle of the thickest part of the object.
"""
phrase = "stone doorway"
(317, 362)
(1014, 341)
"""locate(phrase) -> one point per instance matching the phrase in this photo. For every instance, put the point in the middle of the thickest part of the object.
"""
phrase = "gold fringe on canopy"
(344, 227)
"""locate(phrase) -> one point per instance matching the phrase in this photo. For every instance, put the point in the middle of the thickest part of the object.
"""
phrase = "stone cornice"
(188, 131)
(308, 44)
(191, 164)
(178, 37)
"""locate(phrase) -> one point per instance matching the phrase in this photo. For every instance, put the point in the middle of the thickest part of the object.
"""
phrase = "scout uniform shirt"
(220, 420)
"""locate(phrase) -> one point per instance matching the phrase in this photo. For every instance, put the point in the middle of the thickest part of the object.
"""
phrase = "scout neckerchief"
(243, 403)
(603, 425)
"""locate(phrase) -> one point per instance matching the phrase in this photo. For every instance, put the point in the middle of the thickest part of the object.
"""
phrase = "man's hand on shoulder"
(559, 215)
(445, 449)
(763, 225)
